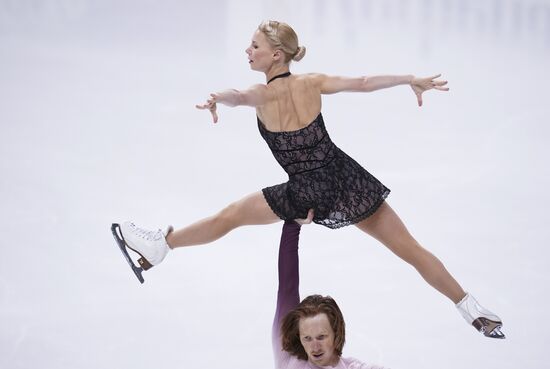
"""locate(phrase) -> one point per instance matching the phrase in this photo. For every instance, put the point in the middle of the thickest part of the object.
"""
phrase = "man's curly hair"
(309, 307)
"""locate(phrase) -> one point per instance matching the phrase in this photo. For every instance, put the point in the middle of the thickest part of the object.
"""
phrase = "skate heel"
(144, 263)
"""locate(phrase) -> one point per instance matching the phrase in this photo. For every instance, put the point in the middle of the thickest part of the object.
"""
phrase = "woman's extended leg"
(153, 245)
(250, 210)
(386, 226)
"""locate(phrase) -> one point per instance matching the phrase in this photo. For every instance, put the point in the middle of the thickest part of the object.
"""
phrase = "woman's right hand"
(211, 106)
(421, 85)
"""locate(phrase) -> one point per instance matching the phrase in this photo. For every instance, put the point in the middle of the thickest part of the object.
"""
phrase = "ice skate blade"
(115, 228)
(489, 328)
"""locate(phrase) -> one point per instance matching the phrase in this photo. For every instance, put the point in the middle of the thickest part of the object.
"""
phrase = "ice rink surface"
(98, 125)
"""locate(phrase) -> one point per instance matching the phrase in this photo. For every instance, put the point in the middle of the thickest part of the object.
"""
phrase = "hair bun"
(299, 53)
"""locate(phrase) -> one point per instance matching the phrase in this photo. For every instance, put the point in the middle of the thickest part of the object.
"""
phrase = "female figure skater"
(321, 176)
(311, 333)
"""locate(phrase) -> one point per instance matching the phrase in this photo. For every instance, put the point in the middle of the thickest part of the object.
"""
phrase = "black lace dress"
(321, 177)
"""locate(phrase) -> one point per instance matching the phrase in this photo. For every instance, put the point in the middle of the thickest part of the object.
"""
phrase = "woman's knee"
(228, 215)
(238, 211)
(252, 209)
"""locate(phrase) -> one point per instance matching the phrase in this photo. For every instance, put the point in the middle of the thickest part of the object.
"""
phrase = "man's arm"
(288, 294)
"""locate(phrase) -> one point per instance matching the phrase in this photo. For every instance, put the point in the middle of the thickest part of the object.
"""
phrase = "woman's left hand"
(211, 106)
(420, 85)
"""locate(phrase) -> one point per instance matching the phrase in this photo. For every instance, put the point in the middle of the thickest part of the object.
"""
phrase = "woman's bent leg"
(250, 210)
(386, 226)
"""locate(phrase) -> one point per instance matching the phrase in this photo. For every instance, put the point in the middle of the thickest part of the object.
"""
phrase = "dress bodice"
(302, 150)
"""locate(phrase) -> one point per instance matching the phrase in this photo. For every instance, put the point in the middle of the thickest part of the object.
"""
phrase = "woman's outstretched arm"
(334, 84)
(254, 96)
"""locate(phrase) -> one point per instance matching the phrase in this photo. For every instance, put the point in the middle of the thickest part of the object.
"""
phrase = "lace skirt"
(341, 193)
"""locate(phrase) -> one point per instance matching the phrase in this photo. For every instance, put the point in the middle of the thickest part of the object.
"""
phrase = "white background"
(98, 125)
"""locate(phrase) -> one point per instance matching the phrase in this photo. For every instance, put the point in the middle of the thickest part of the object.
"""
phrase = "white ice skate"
(150, 245)
(482, 319)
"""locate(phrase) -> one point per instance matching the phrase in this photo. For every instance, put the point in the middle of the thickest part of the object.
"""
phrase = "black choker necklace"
(282, 75)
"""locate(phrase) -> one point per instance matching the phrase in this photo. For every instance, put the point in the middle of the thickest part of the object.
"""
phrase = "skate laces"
(146, 234)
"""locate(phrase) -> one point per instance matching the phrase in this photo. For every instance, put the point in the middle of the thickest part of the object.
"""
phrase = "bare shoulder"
(314, 81)
(257, 88)
(315, 78)
(255, 95)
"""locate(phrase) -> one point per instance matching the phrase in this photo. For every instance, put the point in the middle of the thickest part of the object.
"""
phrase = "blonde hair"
(281, 36)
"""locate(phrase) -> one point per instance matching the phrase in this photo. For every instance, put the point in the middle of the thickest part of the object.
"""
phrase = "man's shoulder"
(353, 363)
